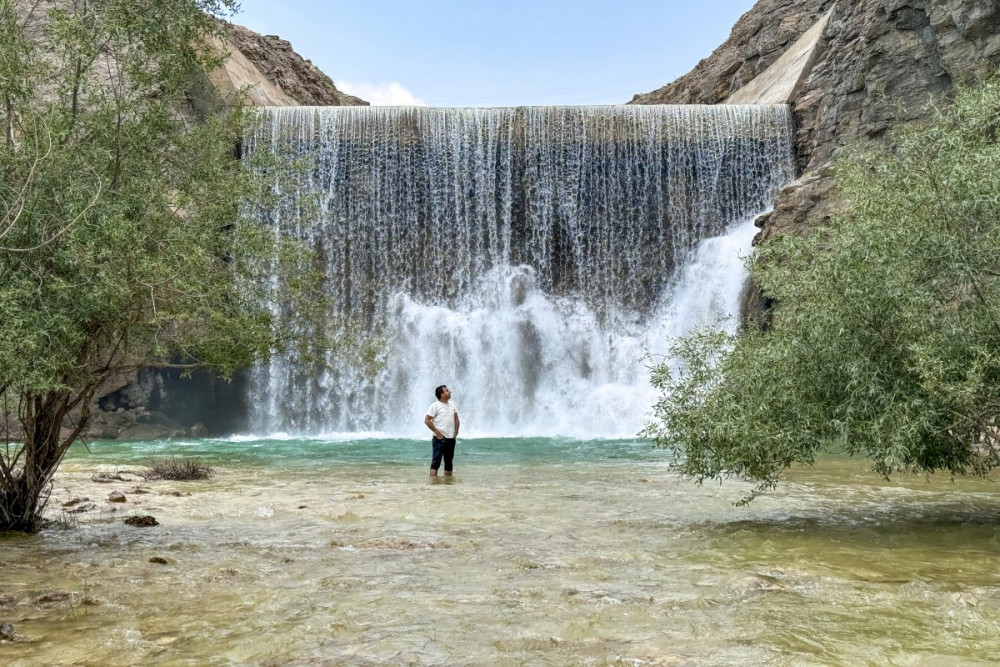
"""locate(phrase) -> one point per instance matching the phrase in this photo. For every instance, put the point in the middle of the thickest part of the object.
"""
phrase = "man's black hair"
(439, 391)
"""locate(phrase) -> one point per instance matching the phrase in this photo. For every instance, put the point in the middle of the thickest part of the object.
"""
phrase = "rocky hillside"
(878, 63)
(295, 76)
(757, 40)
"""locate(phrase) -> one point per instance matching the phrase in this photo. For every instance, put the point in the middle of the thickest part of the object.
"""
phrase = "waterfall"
(527, 257)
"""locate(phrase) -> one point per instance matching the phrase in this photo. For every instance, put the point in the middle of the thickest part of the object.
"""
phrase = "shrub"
(885, 340)
(179, 468)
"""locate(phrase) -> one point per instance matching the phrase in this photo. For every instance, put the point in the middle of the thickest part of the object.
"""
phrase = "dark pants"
(442, 448)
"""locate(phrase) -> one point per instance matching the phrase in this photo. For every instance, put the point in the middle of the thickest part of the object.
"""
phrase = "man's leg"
(448, 450)
(436, 447)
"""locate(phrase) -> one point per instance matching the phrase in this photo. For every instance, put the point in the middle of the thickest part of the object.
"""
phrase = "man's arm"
(429, 421)
(456, 424)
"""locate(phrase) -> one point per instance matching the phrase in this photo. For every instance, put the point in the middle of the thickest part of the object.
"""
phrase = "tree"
(885, 338)
(128, 234)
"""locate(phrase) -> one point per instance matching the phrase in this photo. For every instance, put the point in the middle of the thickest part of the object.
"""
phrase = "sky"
(498, 52)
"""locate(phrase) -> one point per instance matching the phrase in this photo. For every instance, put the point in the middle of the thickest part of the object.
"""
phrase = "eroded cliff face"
(878, 63)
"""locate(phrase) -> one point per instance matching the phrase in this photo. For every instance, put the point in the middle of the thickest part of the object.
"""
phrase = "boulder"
(143, 521)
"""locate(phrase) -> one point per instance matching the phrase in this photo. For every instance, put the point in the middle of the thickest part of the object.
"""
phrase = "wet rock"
(143, 521)
(7, 600)
(401, 544)
(119, 476)
(55, 596)
(141, 432)
(302, 507)
(757, 584)
(138, 490)
(159, 560)
(225, 573)
(116, 497)
(75, 501)
(198, 431)
(7, 633)
(79, 509)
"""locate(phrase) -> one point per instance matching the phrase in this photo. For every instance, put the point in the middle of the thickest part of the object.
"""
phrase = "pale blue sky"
(501, 52)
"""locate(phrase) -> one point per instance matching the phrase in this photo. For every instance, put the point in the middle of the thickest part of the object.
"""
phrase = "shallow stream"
(539, 551)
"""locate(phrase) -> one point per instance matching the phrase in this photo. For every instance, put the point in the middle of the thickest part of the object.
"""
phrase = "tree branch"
(93, 202)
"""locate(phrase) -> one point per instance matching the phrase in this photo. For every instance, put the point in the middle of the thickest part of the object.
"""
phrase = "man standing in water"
(442, 419)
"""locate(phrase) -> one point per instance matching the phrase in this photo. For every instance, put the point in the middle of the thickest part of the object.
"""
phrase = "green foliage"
(129, 232)
(885, 340)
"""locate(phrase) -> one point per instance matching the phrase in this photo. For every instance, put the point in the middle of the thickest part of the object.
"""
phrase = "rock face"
(295, 76)
(879, 63)
(757, 40)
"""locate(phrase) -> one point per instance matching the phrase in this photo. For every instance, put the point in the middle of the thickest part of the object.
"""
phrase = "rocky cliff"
(756, 42)
(301, 81)
(877, 63)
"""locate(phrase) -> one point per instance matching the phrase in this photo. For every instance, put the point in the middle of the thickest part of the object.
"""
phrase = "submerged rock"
(121, 476)
(141, 521)
(393, 543)
(85, 507)
(7, 633)
(758, 584)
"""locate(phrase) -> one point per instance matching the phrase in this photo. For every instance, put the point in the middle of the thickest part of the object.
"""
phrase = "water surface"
(540, 551)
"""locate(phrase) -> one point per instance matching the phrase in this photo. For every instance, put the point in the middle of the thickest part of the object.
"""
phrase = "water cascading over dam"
(527, 257)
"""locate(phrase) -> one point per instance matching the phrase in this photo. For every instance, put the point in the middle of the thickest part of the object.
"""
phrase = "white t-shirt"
(443, 415)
